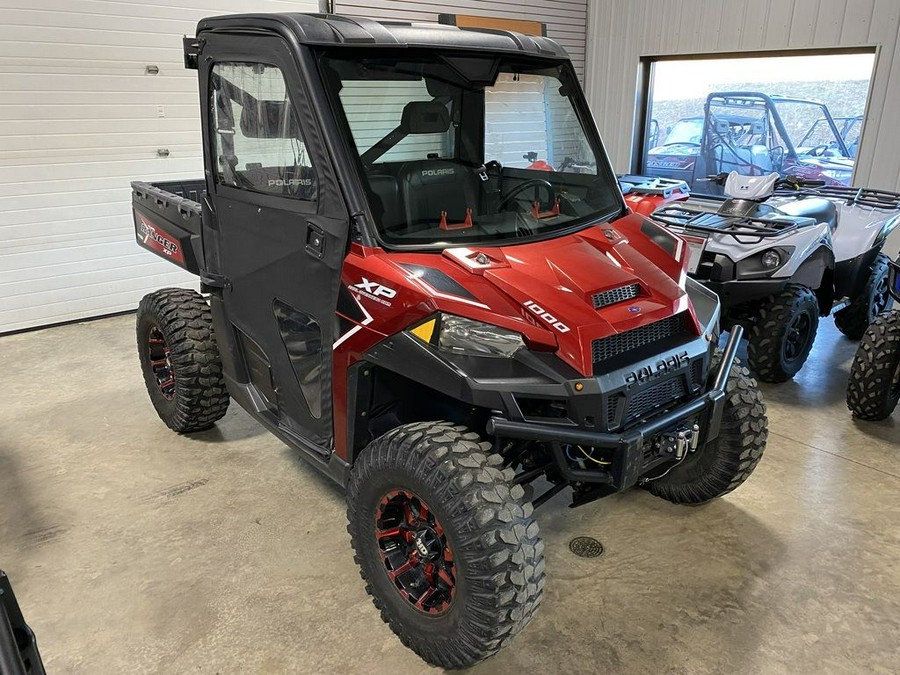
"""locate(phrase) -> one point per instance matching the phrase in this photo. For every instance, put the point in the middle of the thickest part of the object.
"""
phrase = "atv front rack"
(647, 185)
(852, 196)
(689, 218)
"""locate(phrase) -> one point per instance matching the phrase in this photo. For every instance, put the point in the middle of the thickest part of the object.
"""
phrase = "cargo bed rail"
(168, 220)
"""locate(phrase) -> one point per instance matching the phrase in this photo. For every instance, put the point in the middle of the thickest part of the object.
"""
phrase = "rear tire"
(874, 388)
(783, 335)
(718, 467)
(874, 299)
(493, 582)
(180, 360)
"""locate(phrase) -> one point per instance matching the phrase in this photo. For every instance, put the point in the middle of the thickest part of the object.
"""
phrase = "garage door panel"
(80, 118)
(130, 169)
(74, 267)
(52, 200)
(37, 187)
(51, 35)
(43, 289)
(22, 221)
(120, 22)
(29, 158)
(169, 55)
(144, 85)
(92, 301)
(28, 114)
(44, 98)
(104, 250)
(75, 136)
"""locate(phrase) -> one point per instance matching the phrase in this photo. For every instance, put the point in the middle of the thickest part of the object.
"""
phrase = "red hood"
(552, 283)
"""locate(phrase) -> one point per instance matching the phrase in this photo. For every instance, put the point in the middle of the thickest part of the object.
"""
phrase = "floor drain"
(586, 547)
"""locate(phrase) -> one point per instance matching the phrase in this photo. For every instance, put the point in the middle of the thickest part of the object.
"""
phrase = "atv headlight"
(771, 259)
(458, 335)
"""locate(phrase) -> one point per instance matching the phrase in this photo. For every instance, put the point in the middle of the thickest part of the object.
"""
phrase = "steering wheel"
(524, 185)
(820, 150)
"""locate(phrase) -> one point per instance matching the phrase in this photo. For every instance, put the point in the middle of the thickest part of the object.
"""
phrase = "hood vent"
(611, 297)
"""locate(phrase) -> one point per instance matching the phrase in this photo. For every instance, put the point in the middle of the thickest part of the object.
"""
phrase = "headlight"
(464, 336)
(771, 259)
(458, 335)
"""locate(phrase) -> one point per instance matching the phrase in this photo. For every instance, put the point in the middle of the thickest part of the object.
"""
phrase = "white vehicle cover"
(750, 187)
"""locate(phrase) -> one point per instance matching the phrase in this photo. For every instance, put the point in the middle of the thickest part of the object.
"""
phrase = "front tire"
(783, 334)
(718, 467)
(431, 494)
(180, 360)
(874, 299)
(874, 388)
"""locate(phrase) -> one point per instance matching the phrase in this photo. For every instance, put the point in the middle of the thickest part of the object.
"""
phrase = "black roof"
(334, 29)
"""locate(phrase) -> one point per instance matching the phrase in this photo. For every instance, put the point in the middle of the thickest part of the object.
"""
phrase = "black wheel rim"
(797, 337)
(414, 549)
(161, 362)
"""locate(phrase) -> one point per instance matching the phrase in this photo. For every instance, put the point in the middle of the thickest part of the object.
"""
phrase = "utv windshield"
(467, 149)
(688, 131)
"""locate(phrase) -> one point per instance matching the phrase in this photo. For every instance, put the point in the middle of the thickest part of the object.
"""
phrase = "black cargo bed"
(167, 220)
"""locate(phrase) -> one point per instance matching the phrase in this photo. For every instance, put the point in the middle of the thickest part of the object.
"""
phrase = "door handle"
(315, 240)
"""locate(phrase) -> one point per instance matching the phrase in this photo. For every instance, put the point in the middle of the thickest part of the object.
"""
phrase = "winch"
(679, 442)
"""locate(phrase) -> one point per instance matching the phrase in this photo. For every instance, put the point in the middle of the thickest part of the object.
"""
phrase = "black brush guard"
(628, 462)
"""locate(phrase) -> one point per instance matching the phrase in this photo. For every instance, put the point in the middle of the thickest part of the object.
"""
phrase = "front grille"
(611, 297)
(697, 373)
(615, 345)
(654, 397)
(647, 397)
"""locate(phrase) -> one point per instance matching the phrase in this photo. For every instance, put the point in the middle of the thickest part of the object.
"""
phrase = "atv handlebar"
(797, 183)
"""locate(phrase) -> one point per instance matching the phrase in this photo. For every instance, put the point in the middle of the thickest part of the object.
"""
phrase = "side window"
(257, 137)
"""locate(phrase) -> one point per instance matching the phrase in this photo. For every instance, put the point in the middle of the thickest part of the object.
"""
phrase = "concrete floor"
(133, 550)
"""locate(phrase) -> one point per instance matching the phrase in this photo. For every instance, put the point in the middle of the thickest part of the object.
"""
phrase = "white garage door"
(82, 115)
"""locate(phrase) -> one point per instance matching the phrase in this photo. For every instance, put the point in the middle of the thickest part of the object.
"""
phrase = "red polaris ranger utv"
(390, 289)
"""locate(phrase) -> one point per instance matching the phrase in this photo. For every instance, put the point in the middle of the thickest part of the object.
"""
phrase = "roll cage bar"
(756, 99)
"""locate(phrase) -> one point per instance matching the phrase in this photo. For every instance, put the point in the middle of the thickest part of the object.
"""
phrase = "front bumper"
(629, 461)
(741, 291)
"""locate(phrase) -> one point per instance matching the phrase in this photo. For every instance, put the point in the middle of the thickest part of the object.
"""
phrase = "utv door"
(278, 234)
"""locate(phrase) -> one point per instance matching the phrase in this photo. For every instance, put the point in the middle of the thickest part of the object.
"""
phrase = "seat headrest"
(269, 119)
(425, 117)
(723, 127)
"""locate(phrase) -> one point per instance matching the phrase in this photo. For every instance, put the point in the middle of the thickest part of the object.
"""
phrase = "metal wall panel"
(566, 19)
(623, 32)
(79, 120)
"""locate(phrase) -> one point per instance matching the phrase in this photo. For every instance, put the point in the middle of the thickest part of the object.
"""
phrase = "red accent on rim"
(159, 356)
(415, 552)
